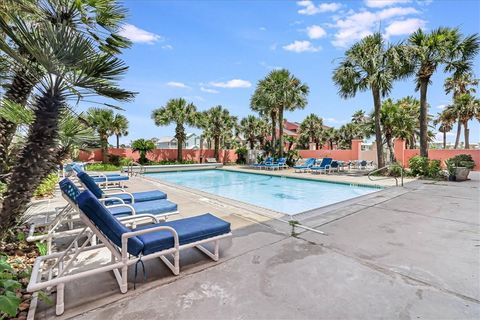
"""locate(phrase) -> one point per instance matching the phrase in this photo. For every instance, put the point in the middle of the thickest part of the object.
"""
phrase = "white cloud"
(357, 25)
(309, 8)
(401, 27)
(262, 29)
(138, 35)
(269, 67)
(208, 90)
(234, 83)
(301, 46)
(167, 47)
(442, 106)
(316, 32)
(383, 3)
(175, 84)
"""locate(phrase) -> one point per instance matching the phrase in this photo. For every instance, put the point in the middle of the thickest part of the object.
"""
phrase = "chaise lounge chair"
(127, 246)
(323, 166)
(120, 193)
(264, 163)
(281, 163)
(305, 166)
(103, 179)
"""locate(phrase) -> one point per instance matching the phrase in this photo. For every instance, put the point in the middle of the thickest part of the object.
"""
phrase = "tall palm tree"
(330, 135)
(249, 127)
(460, 83)
(445, 120)
(280, 91)
(442, 46)
(97, 20)
(102, 121)
(371, 65)
(466, 107)
(220, 124)
(178, 112)
(312, 128)
(71, 65)
(119, 127)
(143, 146)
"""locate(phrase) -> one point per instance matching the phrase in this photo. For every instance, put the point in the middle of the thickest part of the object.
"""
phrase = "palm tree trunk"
(466, 133)
(280, 132)
(390, 149)
(423, 117)
(274, 130)
(252, 144)
(179, 150)
(118, 141)
(459, 132)
(17, 92)
(34, 159)
(444, 140)
(104, 143)
(377, 102)
(216, 141)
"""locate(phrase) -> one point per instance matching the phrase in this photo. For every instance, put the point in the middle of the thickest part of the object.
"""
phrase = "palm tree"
(370, 65)
(330, 135)
(119, 127)
(460, 83)
(249, 127)
(97, 20)
(220, 124)
(102, 121)
(428, 51)
(280, 91)
(445, 119)
(312, 128)
(71, 65)
(466, 107)
(178, 112)
(143, 146)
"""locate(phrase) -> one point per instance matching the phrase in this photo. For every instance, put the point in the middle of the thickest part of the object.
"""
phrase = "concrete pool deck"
(400, 253)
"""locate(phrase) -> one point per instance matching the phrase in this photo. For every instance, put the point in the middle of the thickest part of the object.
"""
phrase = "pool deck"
(400, 253)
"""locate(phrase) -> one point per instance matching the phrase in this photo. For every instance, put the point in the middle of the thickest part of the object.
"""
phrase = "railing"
(131, 172)
(387, 177)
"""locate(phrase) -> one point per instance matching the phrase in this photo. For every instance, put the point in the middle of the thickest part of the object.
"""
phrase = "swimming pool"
(285, 195)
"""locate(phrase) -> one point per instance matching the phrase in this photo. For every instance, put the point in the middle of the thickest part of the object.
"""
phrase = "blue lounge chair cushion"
(90, 184)
(111, 178)
(70, 189)
(308, 163)
(107, 223)
(153, 207)
(140, 196)
(325, 162)
(189, 230)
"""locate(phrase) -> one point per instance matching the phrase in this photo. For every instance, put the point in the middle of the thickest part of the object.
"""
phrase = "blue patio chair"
(101, 178)
(119, 193)
(128, 247)
(279, 164)
(323, 166)
(118, 207)
(305, 166)
(267, 161)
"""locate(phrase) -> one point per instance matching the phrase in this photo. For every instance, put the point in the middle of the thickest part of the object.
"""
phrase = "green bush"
(9, 285)
(462, 160)
(292, 157)
(125, 162)
(434, 169)
(241, 155)
(170, 162)
(47, 187)
(101, 167)
(424, 167)
(395, 170)
(418, 166)
(3, 188)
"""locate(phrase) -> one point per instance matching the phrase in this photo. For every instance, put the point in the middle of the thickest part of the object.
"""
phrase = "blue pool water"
(286, 195)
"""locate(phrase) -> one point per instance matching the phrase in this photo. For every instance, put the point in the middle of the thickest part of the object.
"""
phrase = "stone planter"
(461, 173)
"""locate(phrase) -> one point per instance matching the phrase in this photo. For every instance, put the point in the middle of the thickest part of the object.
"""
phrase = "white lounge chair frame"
(56, 272)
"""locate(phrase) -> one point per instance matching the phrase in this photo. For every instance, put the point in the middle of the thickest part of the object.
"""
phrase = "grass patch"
(47, 187)
(102, 167)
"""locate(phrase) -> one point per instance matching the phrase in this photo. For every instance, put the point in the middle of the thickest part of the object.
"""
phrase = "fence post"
(356, 149)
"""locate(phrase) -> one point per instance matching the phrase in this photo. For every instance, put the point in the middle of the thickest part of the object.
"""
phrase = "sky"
(214, 52)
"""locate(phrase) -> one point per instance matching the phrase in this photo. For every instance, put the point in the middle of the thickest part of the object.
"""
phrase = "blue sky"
(214, 52)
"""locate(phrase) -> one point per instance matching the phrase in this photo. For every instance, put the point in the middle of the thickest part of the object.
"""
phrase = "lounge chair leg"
(60, 307)
(124, 285)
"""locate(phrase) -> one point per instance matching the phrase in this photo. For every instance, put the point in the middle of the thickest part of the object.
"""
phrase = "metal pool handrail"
(388, 177)
(130, 171)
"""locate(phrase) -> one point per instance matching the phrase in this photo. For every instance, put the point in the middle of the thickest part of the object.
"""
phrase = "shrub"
(395, 170)
(424, 167)
(3, 188)
(125, 162)
(47, 187)
(462, 160)
(114, 159)
(9, 286)
(101, 167)
(434, 169)
(419, 166)
(292, 157)
(241, 155)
